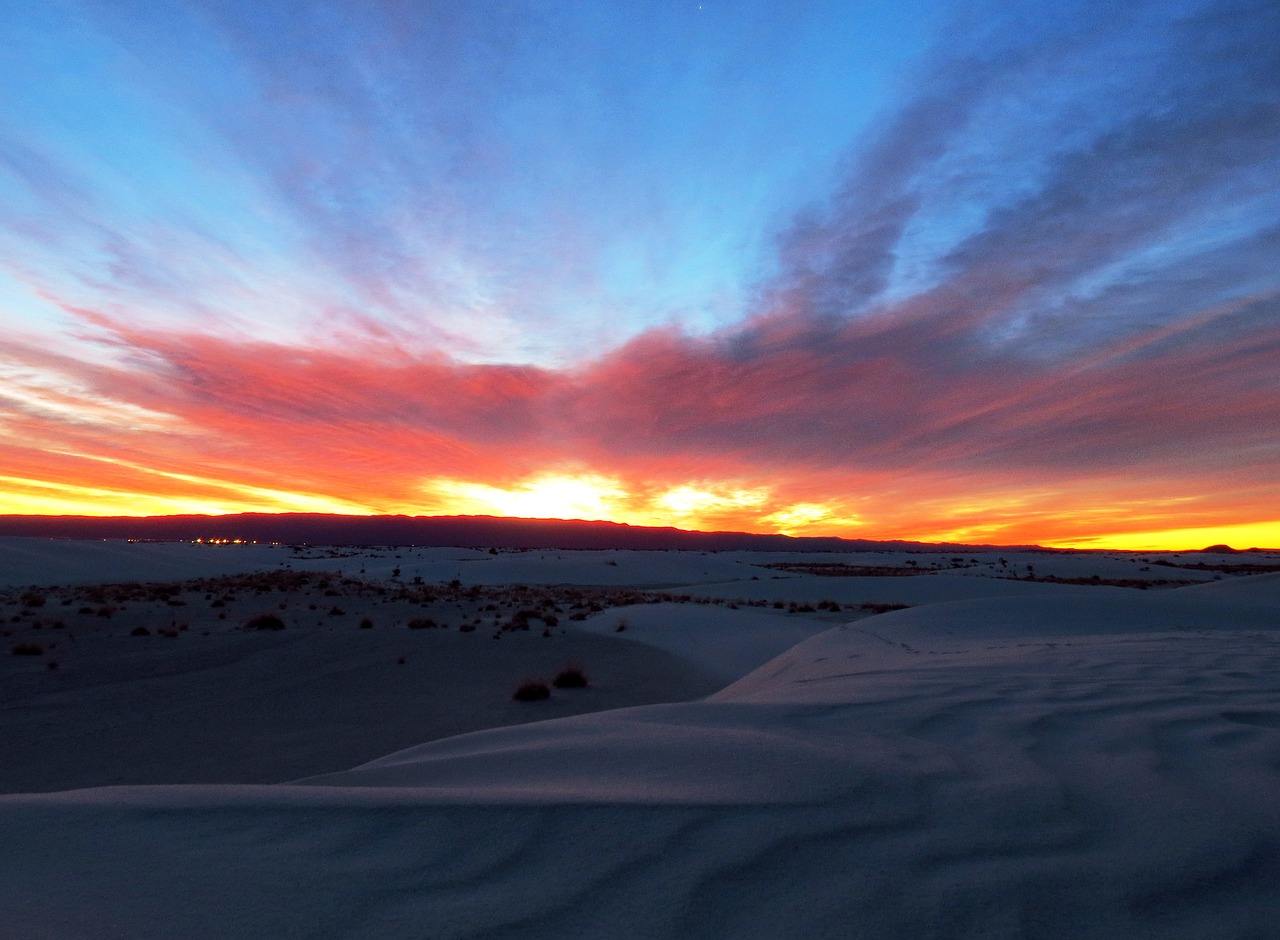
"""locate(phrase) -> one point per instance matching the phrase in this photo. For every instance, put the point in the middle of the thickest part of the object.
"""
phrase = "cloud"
(1044, 293)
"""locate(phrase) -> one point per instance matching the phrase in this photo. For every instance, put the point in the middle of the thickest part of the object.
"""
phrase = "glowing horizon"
(597, 499)
(948, 273)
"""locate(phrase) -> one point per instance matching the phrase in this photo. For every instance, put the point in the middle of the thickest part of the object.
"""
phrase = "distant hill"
(458, 531)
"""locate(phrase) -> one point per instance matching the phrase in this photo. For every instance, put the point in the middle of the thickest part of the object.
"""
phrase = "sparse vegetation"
(264, 622)
(531, 690)
(139, 631)
(572, 676)
(879, 608)
(30, 649)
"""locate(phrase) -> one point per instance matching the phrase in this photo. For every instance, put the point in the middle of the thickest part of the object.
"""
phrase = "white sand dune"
(923, 589)
(1059, 761)
(640, 569)
(25, 561)
(721, 642)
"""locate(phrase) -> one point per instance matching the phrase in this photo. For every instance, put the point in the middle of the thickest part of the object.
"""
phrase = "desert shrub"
(366, 624)
(52, 665)
(570, 677)
(531, 690)
(621, 627)
(422, 623)
(139, 631)
(33, 599)
(264, 622)
(30, 649)
(883, 608)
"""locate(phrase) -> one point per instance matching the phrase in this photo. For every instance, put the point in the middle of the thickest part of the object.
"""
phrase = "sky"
(1001, 272)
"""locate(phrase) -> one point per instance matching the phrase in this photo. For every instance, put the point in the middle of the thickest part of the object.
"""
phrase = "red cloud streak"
(873, 424)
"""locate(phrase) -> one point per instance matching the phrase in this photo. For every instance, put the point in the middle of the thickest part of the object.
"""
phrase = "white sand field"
(832, 748)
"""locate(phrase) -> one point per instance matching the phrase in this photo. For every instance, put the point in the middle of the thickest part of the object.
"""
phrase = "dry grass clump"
(879, 608)
(571, 676)
(35, 649)
(264, 622)
(531, 690)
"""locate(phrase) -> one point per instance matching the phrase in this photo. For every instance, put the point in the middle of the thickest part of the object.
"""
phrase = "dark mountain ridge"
(433, 531)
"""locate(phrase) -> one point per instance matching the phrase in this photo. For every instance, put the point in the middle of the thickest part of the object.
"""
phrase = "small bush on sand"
(531, 690)
(35, 649)
(139, 631)
(264, 622)
(366, 624)
(572, 676)
(875, 608)
(422, 623)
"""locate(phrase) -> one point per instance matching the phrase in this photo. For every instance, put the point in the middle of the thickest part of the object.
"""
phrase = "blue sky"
(824, 255)
(511, 182)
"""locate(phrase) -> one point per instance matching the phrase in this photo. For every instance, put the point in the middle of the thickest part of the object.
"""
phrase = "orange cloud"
(866, 428)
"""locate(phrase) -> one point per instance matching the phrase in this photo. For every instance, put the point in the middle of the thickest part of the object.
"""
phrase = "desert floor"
(260, 740)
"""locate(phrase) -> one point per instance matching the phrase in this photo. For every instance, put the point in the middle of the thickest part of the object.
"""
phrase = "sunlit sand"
(769, 745)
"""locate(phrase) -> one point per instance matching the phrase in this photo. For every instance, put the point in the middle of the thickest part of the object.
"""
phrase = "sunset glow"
(959, 273)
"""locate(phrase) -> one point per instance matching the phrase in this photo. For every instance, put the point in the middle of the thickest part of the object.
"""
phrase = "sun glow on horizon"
(591, 496)
(1053, 520)
(1245, 535)
(23, 496)
(547, 496)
